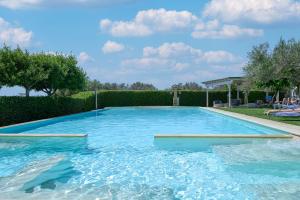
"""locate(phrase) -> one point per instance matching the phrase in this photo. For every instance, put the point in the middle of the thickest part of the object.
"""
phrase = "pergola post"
(207, 98)
(229, 95)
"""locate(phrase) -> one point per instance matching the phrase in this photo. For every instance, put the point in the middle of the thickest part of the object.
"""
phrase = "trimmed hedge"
(22, 109)
(134, 98)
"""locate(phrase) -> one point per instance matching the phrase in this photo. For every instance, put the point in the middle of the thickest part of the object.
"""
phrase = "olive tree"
(267, 69)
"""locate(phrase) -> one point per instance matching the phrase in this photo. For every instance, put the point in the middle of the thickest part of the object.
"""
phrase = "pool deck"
(288, 128)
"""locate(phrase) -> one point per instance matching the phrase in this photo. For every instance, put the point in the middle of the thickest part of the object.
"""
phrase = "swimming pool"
(120, 159)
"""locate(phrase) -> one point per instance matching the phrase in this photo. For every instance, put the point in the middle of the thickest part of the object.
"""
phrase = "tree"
(142, 86)
(264, 68)
(294, 57)
(18, 69)
(7, 67)
(63, 74)
(56, 71)
(186, 86)
(76, 78)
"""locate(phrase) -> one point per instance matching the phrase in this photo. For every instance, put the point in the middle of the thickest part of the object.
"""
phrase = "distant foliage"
(95, 84)
(276, 68)
(186, 86)
(40, 71)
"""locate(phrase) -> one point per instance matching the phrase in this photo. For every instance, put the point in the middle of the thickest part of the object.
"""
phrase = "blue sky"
(159, 41)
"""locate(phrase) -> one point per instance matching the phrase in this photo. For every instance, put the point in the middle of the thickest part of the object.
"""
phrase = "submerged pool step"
(239, 136)
(41, 135)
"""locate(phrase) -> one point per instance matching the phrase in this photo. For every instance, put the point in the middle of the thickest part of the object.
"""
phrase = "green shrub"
(23, 109)
(134, 98)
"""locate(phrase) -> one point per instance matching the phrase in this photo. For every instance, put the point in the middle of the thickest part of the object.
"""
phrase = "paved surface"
(289, 128)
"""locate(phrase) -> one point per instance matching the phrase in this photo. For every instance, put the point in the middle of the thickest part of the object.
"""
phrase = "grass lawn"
(259, 112)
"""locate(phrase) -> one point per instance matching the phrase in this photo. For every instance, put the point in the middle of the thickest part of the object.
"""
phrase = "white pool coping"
(224, 136)
(288, 128)
(41, 135)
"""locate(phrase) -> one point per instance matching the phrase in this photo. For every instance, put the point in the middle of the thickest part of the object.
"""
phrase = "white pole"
(207, 102)
(229, 95)
(96, 99)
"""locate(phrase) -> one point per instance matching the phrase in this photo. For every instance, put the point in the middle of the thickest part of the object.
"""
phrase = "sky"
(162, 42)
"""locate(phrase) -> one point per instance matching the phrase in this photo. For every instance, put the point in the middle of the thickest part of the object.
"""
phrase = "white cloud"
(147, 22)
(177, 57)
(180, 50)
(262, 11)
(168, 50)
(12, 35)
(123, 28)
(17, 4)
(213, 29)
(23, 4)
(112, 47)
(84, 57)
(218, 57)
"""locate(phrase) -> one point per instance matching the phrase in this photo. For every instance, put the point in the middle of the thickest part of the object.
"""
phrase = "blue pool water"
(121, 160)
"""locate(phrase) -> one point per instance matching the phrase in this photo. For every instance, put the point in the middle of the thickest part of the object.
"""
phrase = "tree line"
(95, 84)
(49, 73)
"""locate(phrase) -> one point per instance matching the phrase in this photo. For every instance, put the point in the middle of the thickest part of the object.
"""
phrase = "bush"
(134, 98)
(23, 109)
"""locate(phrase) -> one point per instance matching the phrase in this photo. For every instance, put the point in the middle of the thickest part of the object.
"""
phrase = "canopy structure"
(219, 82)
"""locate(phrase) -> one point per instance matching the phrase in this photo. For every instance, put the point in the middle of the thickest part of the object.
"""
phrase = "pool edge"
(291, 129)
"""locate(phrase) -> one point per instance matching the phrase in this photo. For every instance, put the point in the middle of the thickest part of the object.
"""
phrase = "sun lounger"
(286, 114)
(268, 112)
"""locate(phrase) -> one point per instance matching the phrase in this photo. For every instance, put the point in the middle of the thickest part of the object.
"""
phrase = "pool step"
(29, 173)
(41, 135)
(239, 136)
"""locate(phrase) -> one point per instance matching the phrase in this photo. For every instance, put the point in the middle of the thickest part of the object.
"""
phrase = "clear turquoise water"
(121, 160)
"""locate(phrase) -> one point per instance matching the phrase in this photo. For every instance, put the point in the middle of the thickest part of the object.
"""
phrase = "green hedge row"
(22, 109)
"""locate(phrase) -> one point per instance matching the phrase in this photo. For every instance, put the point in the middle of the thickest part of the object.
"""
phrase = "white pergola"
(220, 82)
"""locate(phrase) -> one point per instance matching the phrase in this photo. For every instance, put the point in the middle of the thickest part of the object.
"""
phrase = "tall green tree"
(63, 74)
(7, 67)
(265, 68)
(56, 69)
(18, 69)
(294, 57)
(29, 72)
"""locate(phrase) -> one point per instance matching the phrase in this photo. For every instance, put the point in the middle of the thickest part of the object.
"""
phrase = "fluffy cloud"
(171, 63)
(182, 51)
(147, 22)
(213, 29)
(13, 35)
(21, 4)
(84, 57)
(168, 50)
(177, 57)
(112, 47)
(262, 11)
